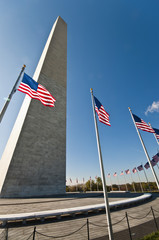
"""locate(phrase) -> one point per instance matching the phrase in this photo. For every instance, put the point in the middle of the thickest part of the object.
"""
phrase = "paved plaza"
(67, 225)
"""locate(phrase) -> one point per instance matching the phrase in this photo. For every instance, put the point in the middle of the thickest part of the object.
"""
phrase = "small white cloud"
(153, 108)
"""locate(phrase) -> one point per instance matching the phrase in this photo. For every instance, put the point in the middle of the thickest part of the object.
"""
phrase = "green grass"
(152, 236)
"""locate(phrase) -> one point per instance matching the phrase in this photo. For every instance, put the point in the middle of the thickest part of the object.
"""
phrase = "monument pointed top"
(60, 18)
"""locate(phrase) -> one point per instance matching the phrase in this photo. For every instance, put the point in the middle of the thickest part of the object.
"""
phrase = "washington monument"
(34, 161)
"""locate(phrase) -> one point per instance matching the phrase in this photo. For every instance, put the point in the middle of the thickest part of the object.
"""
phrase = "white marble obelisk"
(34, 160)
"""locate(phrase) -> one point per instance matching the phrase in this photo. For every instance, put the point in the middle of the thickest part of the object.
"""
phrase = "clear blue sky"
(113, 47)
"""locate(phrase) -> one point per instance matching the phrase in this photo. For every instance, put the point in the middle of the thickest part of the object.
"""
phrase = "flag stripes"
(156, 157)
(142, 125)
(140, 168)
(41, 94)
(115, 174)
(103, 116)
(127, 171)
(134, 170)
(156, 132)
(36, 91)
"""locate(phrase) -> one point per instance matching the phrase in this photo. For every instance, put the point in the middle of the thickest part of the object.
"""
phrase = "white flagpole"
(155, 138)
(132, 182)
(125, 183)
(90, 180)
(110, 230)
(146, 177)
(154, 133)
(111, 182)
(140, 181)
(118, 182)
(97, 184)
(146, 153)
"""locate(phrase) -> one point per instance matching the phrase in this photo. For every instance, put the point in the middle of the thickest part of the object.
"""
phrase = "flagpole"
(90, 179)
(110, 230)
(97, 184)
(146, 178)
(118, 182)
(125, 183)
(146, 153)
(153, 133)
(111, 182)
(10, 95)
(132, 182)
(140, 182)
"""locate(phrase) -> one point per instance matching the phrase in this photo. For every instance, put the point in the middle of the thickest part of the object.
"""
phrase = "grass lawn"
(152, 236)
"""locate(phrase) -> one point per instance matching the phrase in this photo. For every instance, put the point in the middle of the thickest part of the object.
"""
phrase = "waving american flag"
(103, 116)
(142, 125)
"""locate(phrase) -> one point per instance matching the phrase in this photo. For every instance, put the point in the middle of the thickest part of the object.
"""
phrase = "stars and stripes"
(140, 168)
(156, 157)
(142, 125)
(36, 91)
(103, 116)
(134, 170)
(156, 132)
(147, 165)
(127, 171)
(153, 162)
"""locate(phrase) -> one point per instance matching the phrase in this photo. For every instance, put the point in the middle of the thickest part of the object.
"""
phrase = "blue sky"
(112, 48)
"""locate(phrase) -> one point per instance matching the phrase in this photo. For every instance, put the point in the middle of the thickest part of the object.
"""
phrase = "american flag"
(140, 168)
(156, 132)
(115, 174)
(142, 125)
(122, 173)
(153, 162)
(147, 165)
(127, 171)
(156, 157)
(36, 91)
(103, 116)
(134, 170)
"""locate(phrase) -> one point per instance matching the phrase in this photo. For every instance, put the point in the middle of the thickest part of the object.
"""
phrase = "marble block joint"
(34, 160)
